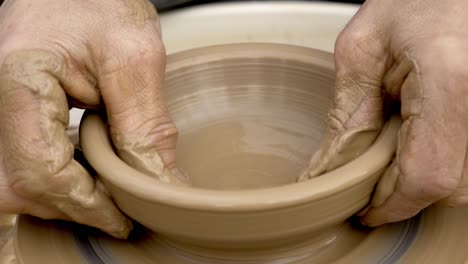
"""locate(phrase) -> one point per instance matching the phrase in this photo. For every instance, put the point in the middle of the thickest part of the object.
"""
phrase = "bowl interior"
(249, 122)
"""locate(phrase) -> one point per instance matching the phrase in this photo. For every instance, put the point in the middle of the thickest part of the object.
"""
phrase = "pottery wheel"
(438, 235)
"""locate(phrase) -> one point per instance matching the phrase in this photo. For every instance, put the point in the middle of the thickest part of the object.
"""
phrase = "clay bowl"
(249, 116)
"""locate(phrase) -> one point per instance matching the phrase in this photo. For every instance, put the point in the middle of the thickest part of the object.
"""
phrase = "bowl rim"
(96, 144)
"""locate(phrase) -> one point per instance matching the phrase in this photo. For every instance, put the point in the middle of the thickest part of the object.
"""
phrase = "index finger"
(131, 78)
(357, 114)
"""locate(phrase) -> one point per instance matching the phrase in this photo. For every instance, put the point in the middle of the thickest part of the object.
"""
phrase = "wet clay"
(142, 156)
(243, 129)
(249, 117)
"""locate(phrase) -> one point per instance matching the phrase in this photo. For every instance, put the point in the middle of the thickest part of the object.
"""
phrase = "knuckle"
(158, 132)
(135, 13)
(35, 172)
(344, 45)
(29, 70)
(360, 50)
(164, 136)
(152, 52)
(349, 42)
(140, 57)
(449, 51)
(27, 184)
(429, 183)
(136, 45)
(423, 163)
(442, 185)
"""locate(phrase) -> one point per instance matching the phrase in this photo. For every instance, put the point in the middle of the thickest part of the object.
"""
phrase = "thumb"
(430, 165)
(131, 80)
(357, 114)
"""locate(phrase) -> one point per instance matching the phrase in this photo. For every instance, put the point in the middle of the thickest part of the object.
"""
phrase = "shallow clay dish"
(273, 221)
(250, 116)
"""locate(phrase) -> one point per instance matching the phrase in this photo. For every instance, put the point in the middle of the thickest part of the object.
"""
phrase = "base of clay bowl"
(266, 102)
(437, 235)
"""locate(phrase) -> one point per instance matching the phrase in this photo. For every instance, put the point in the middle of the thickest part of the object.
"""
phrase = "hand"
(414, 53)
(56, 54)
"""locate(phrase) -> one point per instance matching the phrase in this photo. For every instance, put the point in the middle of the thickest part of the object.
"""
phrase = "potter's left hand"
(415, 53)
(55, 54)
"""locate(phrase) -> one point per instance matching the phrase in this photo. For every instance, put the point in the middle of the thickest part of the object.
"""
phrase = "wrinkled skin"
(89, 54)
(415, 53)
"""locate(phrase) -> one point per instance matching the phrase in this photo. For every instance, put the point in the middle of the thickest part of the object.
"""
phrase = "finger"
(12, 203)
(418, 180)
(357, 114)
(429, 161)
(79, 85)
(38, 157)
(386, 185)
(460, 196)
(131, 78)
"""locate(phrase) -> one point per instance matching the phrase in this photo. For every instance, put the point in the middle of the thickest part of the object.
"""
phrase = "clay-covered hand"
(88, 54)
(414, 53)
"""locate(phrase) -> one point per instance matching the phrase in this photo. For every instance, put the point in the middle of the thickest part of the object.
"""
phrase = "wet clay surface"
(255, 130)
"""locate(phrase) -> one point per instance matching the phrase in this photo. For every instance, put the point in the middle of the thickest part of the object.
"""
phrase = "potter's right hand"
(55, 54)
(413, 53)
